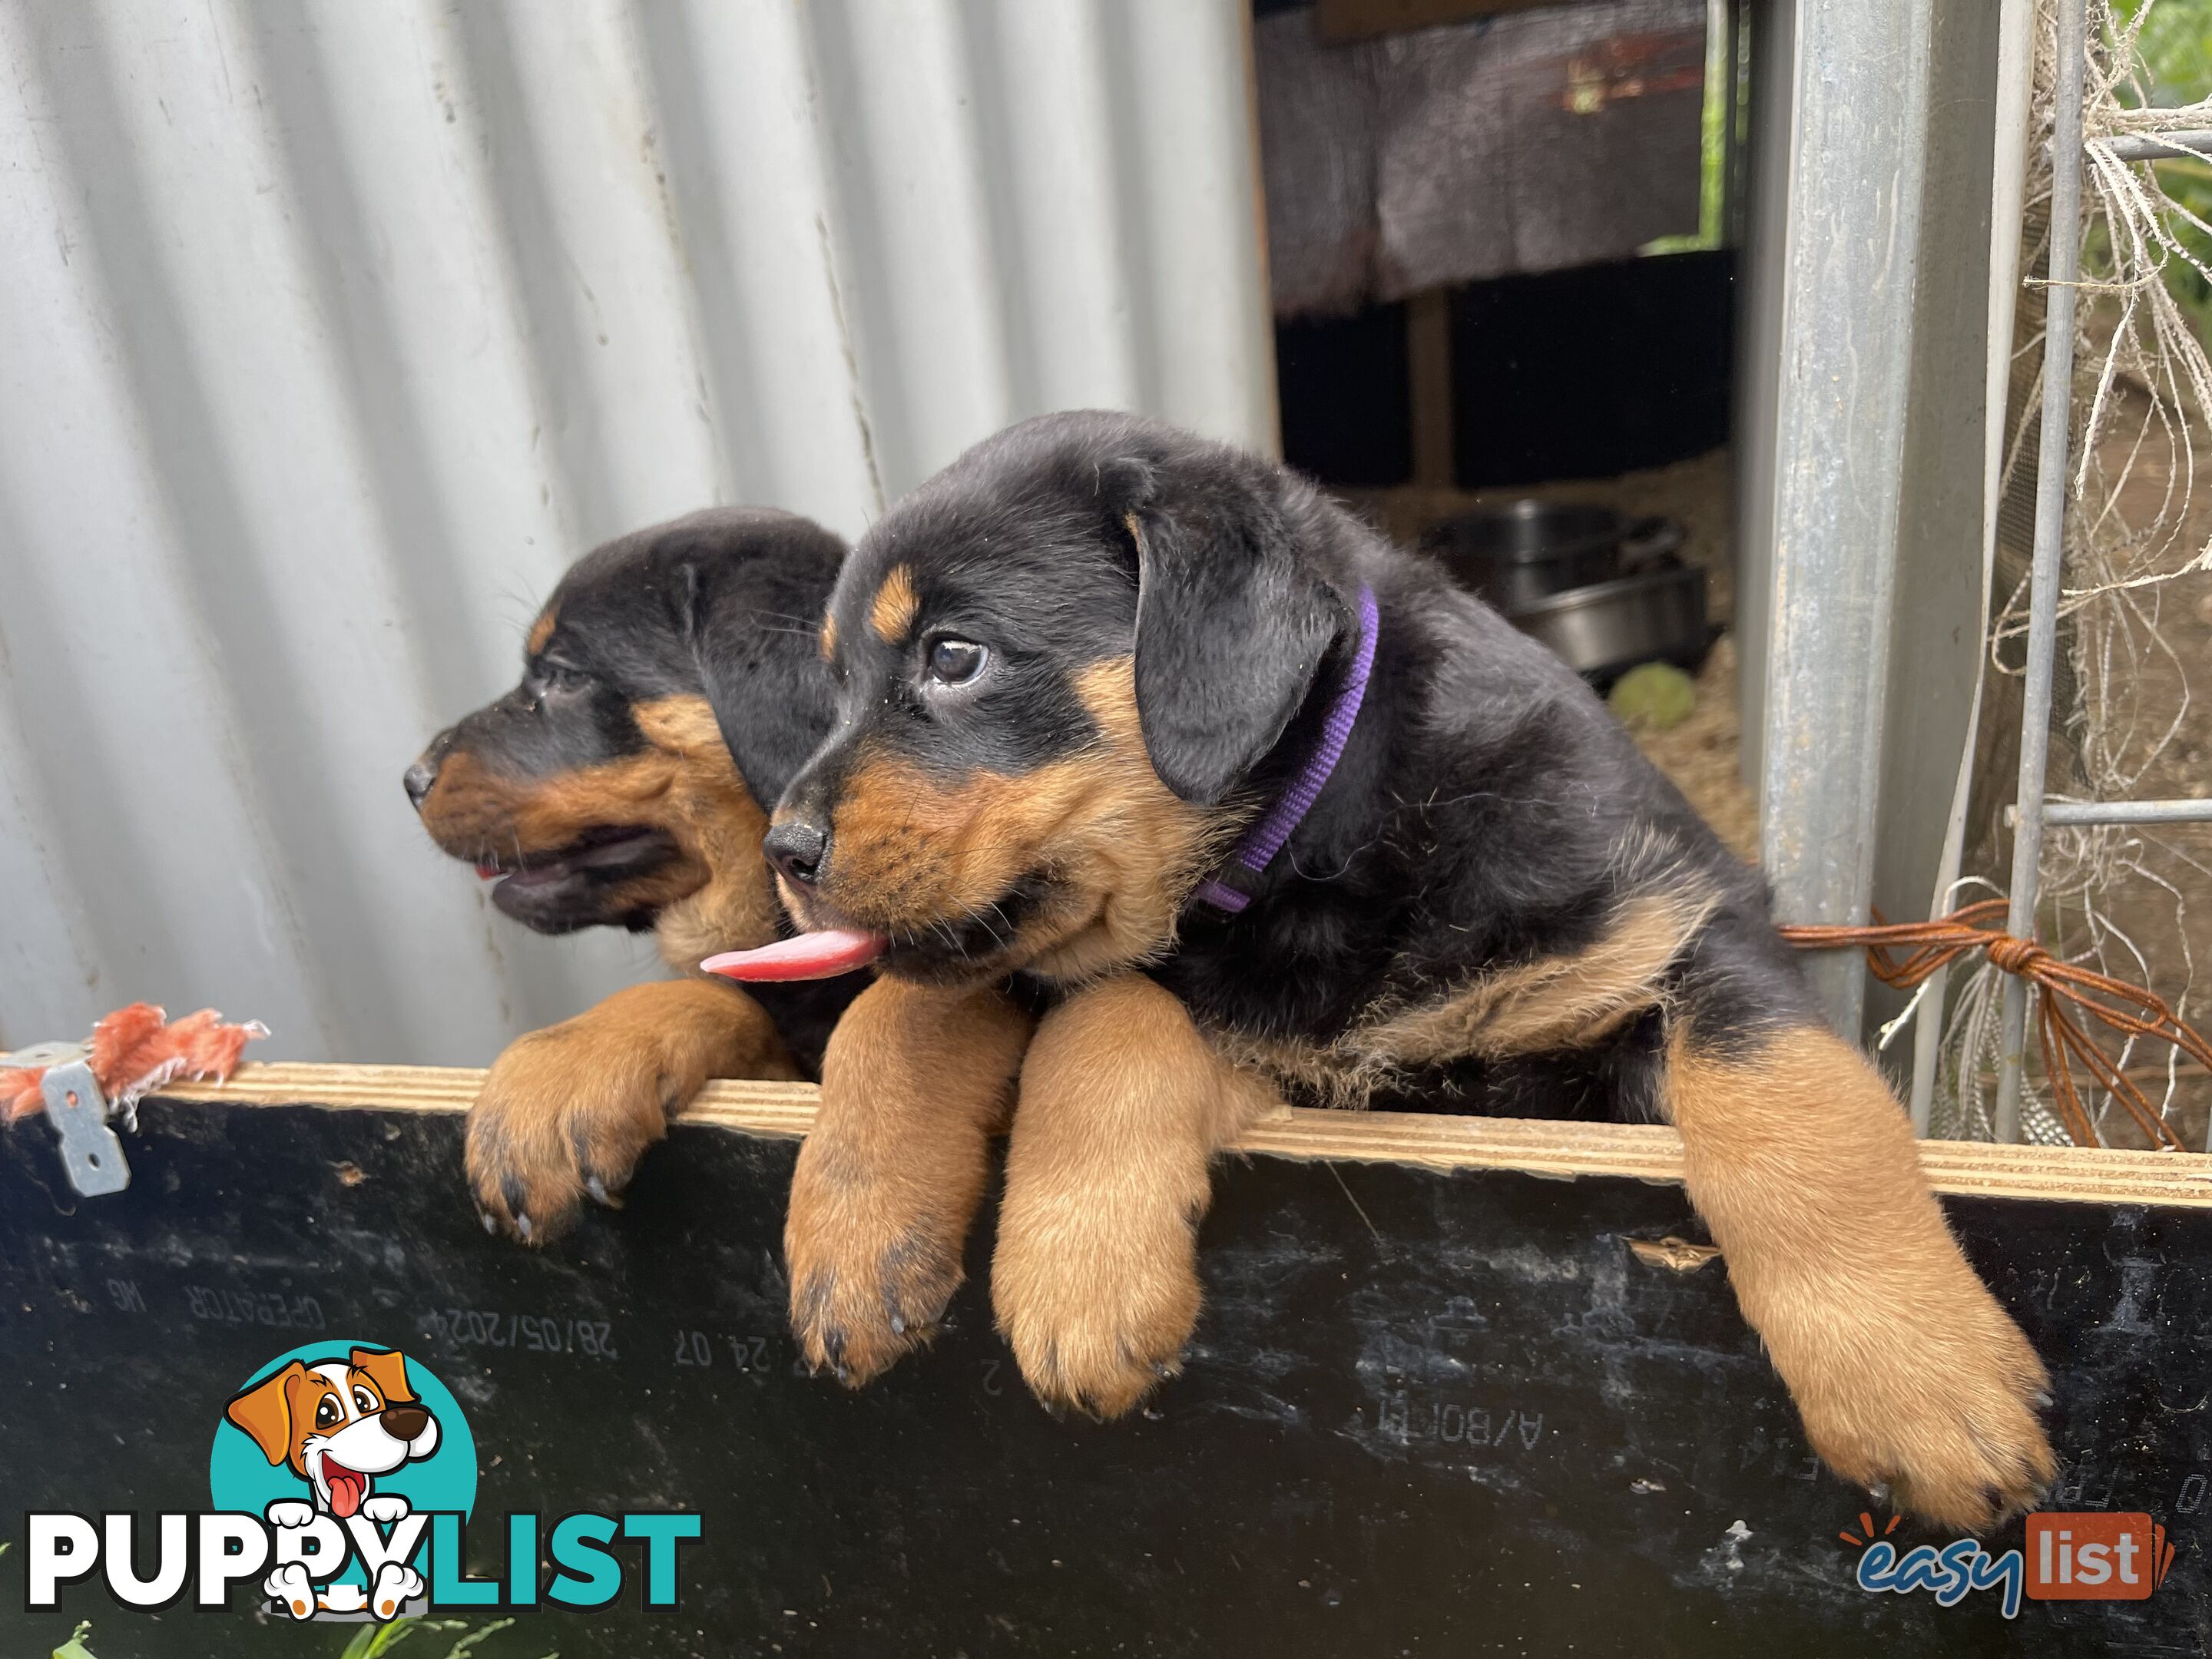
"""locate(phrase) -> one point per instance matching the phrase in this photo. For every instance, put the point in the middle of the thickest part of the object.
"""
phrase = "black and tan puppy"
(670, 686)
(1071, 671)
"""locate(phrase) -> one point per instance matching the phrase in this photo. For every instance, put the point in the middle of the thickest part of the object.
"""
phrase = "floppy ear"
(265, 1410)
(388, 1370)
(1232, 626)
(752, 631)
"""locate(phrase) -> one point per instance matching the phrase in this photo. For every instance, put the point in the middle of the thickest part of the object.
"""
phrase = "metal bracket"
(90, 1150)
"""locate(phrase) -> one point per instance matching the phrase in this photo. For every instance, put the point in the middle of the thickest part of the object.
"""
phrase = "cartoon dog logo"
(338, 1426)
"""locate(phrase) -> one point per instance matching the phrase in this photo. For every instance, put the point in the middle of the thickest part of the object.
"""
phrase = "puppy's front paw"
(563, 1116)
(290, 1512)
(566, 1112)
(872, 1263)
(290, 1588)
(1097, 1305)
(1937, 1401)
(397, 1584)
(386, 1508)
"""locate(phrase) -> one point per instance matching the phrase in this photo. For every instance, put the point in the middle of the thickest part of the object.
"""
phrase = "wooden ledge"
(1642, 1152)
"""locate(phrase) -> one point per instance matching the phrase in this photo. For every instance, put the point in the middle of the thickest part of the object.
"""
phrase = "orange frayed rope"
(2066, 989)
(135, 1050)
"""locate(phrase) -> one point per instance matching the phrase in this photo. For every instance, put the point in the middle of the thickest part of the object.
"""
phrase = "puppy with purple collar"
(1269, 807)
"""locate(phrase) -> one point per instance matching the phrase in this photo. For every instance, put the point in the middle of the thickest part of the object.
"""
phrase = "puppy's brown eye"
(956, 662)
(326, 1411)
(363, 1401)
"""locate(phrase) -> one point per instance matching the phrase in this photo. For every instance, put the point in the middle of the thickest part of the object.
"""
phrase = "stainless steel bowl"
(1604, 629)
(1522, 551)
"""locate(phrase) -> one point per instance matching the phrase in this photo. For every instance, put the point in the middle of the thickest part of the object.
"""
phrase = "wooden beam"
(1643, 1152)
(1429, 377)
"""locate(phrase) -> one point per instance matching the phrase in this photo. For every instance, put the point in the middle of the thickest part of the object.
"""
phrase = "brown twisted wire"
(2067, 991)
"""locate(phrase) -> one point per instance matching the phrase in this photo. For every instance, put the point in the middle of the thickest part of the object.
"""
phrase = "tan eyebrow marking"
(828, 638)
(893, 611)
(541, 630)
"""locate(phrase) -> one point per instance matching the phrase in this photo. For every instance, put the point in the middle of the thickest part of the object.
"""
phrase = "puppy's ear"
(752, 628)
(1232, 626)
(264, 1411)
(388, 1370)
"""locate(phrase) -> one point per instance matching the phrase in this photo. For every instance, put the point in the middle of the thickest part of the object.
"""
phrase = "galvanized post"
(1846, 269)
(2051, 484)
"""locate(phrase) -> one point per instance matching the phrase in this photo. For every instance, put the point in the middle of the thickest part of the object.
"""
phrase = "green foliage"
(373, 1641)
(369, 1642)
(2176, 46)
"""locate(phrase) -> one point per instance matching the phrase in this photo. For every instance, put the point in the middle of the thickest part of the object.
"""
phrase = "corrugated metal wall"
(331, 330)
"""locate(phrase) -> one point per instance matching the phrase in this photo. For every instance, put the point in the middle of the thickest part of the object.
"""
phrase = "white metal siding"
(332, 329)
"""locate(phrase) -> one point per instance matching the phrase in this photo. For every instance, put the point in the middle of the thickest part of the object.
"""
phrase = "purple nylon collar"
(1259, 844)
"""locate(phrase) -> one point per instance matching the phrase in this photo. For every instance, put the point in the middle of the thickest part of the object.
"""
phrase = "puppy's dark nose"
(406, 1422)
(419, 779)
(797, 847)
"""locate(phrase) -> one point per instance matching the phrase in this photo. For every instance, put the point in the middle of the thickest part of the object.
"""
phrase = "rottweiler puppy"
(1153, 720)
(670, 688)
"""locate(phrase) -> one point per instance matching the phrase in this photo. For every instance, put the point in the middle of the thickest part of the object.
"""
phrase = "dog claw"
(490, 1222)
(2042, 1400)
(598, 1189)
(522, 1227)
(898, 1326)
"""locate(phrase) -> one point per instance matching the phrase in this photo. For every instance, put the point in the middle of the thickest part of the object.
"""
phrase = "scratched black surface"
(1427, 1413)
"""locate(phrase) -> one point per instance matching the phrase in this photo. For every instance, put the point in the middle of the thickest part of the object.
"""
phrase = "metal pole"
(2160, 146)
(2128, 812)
(1845, 275)
(2051, 483)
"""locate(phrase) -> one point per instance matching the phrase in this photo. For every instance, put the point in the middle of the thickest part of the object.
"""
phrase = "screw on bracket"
(90, 1151)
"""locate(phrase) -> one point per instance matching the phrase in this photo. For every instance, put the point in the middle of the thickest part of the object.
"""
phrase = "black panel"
(1428, 1413)
(1346, 399)
(1592, 372)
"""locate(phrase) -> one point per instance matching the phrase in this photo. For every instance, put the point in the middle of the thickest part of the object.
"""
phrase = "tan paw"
(889, 1178)
(872, 1264)
(560, 1118)
(1096, 1307)
(565, 1113)
(1940, 1406)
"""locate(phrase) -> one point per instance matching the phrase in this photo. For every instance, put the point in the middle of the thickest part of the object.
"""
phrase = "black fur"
(1232, 624)
(1488, 809)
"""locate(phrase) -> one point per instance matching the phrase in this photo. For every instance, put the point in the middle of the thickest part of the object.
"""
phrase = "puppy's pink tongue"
(823, 955)
(347, 1489)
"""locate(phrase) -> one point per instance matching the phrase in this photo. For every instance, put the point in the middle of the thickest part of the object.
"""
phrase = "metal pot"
(1522, 551)
(1655, 614)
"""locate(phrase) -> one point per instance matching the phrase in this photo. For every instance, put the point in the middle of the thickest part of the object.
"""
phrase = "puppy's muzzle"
(406, 1422)
(798, 847)
(421, 777)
